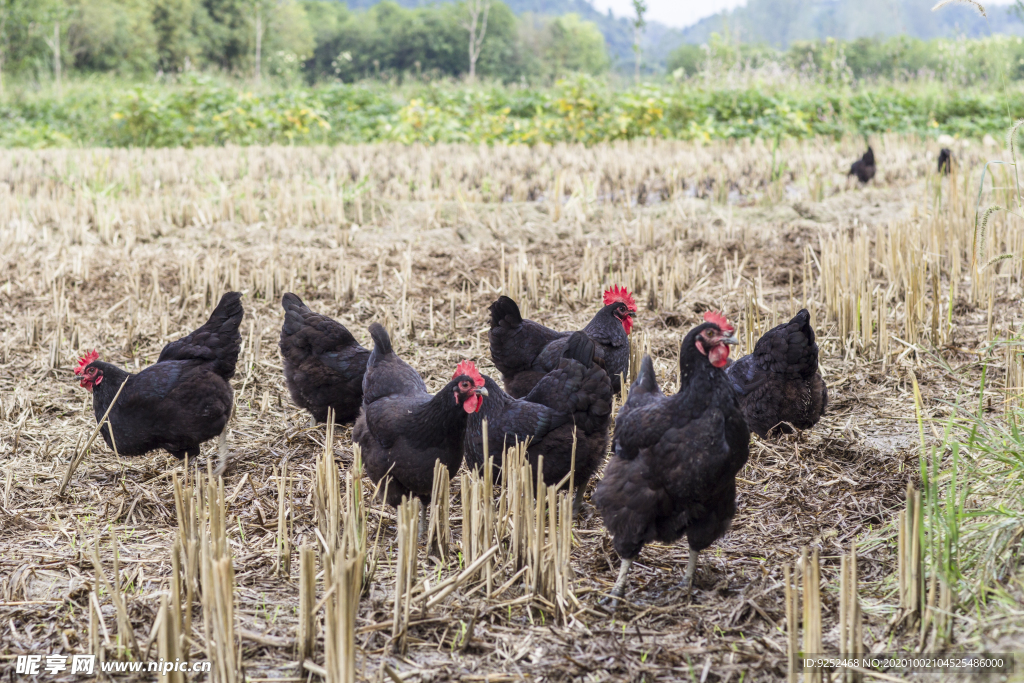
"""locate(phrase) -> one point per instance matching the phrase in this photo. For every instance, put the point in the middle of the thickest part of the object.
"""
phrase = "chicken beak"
(480, 391)
(731, 340)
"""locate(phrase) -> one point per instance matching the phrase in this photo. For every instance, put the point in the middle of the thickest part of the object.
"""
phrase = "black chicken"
(945, 160)
(778, 385)
(180, 401)
(524, 351)
(676, 457)
(403, 430)
(864, 168)
(576, 395)
(323, 363)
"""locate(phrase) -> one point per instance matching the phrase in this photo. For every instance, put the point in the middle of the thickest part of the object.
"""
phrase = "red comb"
(85, 360)
(718, 319)
(468, 367)
(615, 293)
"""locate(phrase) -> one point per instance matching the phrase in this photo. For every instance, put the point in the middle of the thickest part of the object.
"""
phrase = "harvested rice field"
(291, 570)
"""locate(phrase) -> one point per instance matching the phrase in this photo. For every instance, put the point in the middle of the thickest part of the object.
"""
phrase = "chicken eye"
(464, 385)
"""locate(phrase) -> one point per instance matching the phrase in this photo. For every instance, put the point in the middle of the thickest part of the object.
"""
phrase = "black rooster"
(524, 351)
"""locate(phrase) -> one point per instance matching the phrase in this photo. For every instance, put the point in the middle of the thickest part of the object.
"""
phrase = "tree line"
(320, 41)
(292, 40)
(957, 61)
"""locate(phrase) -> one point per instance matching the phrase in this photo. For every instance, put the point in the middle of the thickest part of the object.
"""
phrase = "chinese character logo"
(28, 664)
(82, 664)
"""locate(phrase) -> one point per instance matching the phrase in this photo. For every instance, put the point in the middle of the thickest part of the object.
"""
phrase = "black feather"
(864, 168)
(323, 363)
(945, 160)
(676, 458)
(505, 309)
(779, 384)
(381, 339)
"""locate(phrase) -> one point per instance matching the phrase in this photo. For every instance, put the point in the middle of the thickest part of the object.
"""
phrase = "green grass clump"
(972, 493)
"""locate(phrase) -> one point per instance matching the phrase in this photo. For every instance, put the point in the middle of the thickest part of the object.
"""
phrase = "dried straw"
(217, 574)
(306, 633)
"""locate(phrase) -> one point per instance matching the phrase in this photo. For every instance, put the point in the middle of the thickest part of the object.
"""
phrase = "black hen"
(323, 363)
(864, 168)
(576, 395)
(778, 385)
(178, 402)
(524, 351)
(674, 468)
(945, 160)
(403, 430)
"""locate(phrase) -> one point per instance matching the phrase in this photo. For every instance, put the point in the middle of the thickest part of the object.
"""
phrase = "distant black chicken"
(945, 160)
(864, 168)
(323, 363)
(575, 396)
(180, 401)
(676, 457)
(524, 350)
(778, 385)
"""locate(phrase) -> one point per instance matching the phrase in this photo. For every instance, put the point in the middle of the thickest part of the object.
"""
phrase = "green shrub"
(201, 110)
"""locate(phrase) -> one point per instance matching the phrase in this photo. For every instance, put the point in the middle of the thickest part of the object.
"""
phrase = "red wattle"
(719, 356)
(472, 404)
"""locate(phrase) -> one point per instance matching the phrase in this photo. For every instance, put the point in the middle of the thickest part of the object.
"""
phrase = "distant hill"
(772, 22)
(659, 39)
(780, 22)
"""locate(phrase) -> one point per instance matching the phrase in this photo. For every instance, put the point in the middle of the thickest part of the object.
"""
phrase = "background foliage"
(983, 61)
(183, 73)
(307, 40)
(313, 41)
(200, 110)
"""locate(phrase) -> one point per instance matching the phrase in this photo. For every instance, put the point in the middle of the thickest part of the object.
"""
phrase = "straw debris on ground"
(125, 250)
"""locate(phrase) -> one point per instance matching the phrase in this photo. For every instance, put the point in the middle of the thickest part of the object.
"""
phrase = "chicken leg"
(423, 521)
(577, 502)
(691, 569)
(620, 585)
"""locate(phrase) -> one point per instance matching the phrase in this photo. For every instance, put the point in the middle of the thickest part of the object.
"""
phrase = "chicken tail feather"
(228, 313)
(381, 339)
(292, 302)
(218, 340)
(646, 379)
(505, 309)
(580, 348)
(803, 319)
